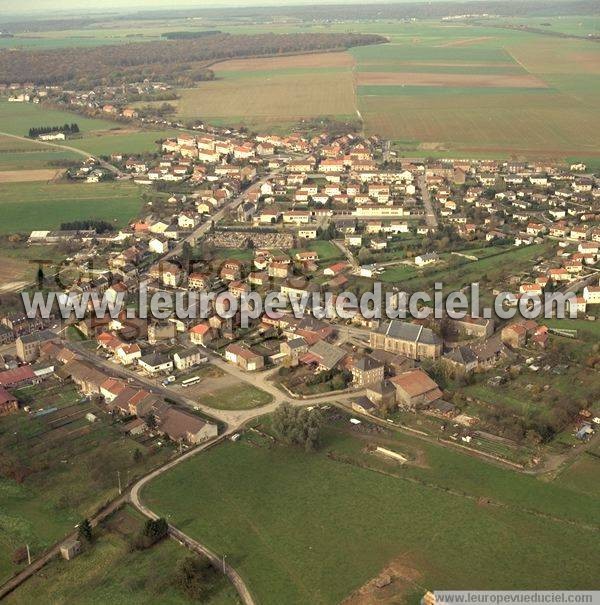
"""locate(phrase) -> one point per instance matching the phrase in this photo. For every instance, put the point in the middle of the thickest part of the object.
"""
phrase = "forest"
(80, 67)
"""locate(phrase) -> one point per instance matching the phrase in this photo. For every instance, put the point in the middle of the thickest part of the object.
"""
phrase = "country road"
(80, 152)
(430, 215)
(181, 537)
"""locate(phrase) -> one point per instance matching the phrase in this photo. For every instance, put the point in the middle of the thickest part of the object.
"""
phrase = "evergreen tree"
(84, 531)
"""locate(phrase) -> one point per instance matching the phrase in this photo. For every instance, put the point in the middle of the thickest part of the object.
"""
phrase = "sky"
(12, 7)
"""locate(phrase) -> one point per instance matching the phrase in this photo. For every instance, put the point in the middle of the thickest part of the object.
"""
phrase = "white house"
(426, 259)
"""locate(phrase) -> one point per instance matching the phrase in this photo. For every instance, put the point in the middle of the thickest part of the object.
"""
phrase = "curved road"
(182, 538)
(81, 152)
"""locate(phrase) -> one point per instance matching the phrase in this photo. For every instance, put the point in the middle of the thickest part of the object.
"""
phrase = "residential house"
(244, 357)
(189, 358)
(155, 363)
(415, 388)
(366, 371)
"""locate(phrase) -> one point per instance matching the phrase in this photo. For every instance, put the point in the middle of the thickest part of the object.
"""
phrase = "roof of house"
(462, 356)
(328, 355)
(366, 363)
(155, 359)
(16, 376)
(41, 336)
(178, 424)
(5, 396)
(416, 383)
(365, 403)
(80, 370)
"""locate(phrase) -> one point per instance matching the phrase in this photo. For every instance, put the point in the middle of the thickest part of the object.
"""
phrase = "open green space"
(110, 571)
(33, 206)
(103, 144)
(58, 467)
(242, 397)
(284, 517)
(326, 250)
(18, 118)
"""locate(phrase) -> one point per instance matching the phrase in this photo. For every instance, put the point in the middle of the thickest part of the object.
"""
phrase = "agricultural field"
(472, 89)
(33, 206)
(102, 574)
(468, 88)
(16, 154)
(18, 118)
(279, 90)
(435, 88)
(58, 467)
(18, 266)
(381, 516)
(123, 140)
(98, 136)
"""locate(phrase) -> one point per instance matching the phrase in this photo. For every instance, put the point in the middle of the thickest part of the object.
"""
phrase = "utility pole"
(119, 481)
(224, 557)
(28, 555)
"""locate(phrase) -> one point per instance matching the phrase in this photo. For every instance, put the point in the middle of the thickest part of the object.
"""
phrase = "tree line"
(128, 62)
(36, 131)
(87, 225)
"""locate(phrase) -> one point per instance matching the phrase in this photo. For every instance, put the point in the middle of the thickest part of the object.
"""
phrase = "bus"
(190, 381)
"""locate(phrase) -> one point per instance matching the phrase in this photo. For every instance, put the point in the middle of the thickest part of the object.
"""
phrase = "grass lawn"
(32, 206)
(284, 518)
(586, 330)
(326, 250)
(59, 467)
(243, 397)
(110, 572)
(491, 269)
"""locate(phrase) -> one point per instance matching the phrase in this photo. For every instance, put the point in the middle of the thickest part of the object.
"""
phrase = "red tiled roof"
(16, 376)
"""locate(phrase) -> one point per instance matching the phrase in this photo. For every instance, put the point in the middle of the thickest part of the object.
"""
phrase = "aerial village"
(230, 211)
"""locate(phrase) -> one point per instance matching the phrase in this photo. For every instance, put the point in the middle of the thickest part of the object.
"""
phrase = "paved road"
(430, 216)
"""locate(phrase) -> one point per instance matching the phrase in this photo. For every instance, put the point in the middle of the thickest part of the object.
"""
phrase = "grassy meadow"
(286, 529)
(32, 206)
(103, 573)
(59, 467)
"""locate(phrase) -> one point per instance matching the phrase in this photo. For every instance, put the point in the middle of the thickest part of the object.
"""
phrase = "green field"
(18, 118)
(111, 572)
(395, 88)
(244, 397)
(285, 528)
(543, 106)
(144, 141)
(67, 466)
(32, 206)
(16, 154)
(98, 136)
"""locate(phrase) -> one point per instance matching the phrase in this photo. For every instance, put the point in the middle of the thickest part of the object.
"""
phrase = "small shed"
(70, 549)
